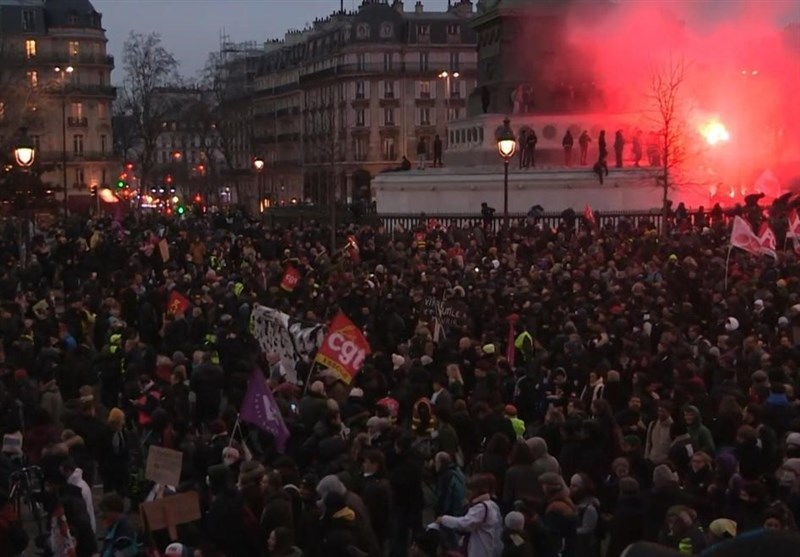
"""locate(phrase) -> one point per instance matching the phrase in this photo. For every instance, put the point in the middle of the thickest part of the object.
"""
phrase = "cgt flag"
(177, 303)
(767, 241)
(290, 280)
(588, 214)
(743, 237)
(344, 349)
(260, 409)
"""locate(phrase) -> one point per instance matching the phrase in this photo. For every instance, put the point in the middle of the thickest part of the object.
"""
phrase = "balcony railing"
(92, 90)
(58, 59)
(88, 156)
(74, 122)
(378, 68)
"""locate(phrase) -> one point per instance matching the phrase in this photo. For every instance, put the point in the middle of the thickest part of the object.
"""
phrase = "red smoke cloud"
(741, 69)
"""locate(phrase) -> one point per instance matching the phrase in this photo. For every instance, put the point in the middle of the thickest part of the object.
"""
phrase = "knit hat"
(426, 360)
(515, 521)
(176, 550)
(357, 393)
(398, 361)
(793, 440)
(318, 388)
(723, 528)
(663, 475)
(116, 416)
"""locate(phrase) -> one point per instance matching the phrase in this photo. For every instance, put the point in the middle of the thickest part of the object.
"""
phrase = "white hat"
(357, 393)
(174, 550)
(731, 324)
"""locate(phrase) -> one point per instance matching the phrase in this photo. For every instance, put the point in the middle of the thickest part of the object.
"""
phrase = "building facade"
(55, 80)
(334, 105)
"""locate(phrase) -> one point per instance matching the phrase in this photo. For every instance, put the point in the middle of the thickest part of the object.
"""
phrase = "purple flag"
(260, 409)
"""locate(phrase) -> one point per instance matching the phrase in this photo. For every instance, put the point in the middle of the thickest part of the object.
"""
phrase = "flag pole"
(236, 427)
(727, 260)
(308, 377)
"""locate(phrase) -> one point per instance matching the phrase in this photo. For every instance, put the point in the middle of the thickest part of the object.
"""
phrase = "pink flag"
(794, 225)
(588, 214)
(742, 237)
(766, 239)
(260, 409)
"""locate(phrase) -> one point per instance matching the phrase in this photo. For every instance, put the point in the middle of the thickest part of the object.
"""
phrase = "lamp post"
(448, 92)
(506, 147)
(24, 156)
(258, 165)
(62, 74)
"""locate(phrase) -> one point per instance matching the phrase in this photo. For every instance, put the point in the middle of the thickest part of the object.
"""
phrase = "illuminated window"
(389, 150)
(77, 145)
(33, 78)
(77, 110)
(425, 89)
(30, 48)
(103, 146)
(74, 48)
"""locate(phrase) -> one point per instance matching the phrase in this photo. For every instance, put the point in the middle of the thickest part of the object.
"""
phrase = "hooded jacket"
(543, 461)
(701, 436)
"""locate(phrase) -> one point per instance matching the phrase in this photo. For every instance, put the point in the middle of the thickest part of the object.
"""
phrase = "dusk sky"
(191, 28)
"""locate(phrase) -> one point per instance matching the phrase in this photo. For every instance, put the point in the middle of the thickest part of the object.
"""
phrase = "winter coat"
(484, 524)
(377, 496)
(658, 441)
(451, 492)
(626, 524)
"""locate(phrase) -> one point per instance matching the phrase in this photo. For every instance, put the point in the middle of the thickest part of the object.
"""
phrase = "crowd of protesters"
(641, 399)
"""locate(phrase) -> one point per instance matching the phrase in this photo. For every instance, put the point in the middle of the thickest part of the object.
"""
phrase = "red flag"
(742, 237)
(794, 225)
(352, 249)
(588, 214)
(177, 303)
(511, 350)
(766, 239)
(291, 277)
(344, 349)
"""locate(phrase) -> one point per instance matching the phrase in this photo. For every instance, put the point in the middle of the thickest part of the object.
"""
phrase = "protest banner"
(164, 466)
(344, 349)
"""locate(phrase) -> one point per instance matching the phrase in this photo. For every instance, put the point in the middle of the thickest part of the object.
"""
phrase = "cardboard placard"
(164, 466)
(163, 248)
(168, 513)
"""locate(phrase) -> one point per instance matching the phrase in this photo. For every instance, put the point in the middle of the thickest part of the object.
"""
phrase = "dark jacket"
(626, 524)
(377, 496)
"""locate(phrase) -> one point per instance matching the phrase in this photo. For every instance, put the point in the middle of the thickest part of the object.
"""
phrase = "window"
(388, 116)
(388, 89)
(163, 157)
(453, 113)
(33, 78)
(388, 61)
(387, 30)
(28, 20)
(423, 61)
(360, 89)
(362, 31)
(104, 177)
(423, 31)
(455, 88)
(424, 89)
(361, 61)
(78, 177)
(2, 112)
(77, 144)
(74, 48)
(425, 116)
(30, 48)
(103, 144)
(453, 29)
(388, 149)
(77, 110)
(102, 111)
(361, 117)
(454, 61)
(360, 149)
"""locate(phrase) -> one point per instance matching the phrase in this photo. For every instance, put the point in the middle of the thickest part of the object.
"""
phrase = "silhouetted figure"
(583, 142)
(437, 151)
(405, 164)
(422, 153)
(487, 213)
(637, 148)
(619, 147)
(600, 168)
(486, 98)
(653, 155)
(530, 149)
(602, 149)
(567, 143)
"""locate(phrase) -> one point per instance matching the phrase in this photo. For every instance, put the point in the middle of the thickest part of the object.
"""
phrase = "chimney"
(464, 8)
(418, 7)
(398, 5)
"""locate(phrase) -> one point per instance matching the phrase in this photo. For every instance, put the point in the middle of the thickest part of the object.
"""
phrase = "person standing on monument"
(637, 148)
(583, 143)
(530, 146)
(422, 153)
(619, 147)
(437, 151)
(567, 143)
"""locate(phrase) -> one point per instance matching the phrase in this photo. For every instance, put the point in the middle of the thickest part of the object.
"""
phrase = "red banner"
(177, 303)
(344, 348)
(291, 278)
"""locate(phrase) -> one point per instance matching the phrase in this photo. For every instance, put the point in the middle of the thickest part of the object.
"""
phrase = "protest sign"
(164, 466)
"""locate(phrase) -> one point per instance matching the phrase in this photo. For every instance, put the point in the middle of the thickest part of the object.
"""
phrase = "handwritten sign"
(164, 466)
(168, 513)
(450, 313)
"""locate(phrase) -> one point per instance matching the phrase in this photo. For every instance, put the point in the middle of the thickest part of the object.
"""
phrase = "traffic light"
(122, 181)
(180, 209)
(198, 198)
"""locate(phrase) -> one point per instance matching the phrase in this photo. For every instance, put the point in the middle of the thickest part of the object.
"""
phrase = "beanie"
(515, 521)
(663, 475)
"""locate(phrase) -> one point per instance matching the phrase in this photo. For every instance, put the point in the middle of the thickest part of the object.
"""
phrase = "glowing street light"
(24, 150)
(715, 132)
(506, 147)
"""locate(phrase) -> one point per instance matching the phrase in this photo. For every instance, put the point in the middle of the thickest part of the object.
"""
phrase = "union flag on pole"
(743, 237)
(177, 303)
(767, 241)
(344, 349)
(291, 277)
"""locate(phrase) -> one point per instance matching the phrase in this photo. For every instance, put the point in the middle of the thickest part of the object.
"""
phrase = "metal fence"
(410, 221)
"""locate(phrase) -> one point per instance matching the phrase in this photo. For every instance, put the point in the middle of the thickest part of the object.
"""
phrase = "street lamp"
(62, 74)
(448, 93)
(258, 165)
(24, 150)
(506, 146)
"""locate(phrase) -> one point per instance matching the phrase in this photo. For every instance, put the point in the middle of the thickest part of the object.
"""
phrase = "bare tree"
(149, 70)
